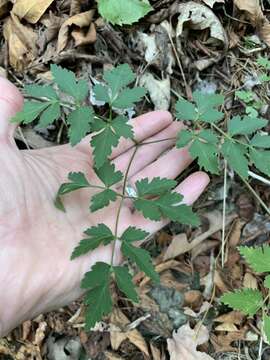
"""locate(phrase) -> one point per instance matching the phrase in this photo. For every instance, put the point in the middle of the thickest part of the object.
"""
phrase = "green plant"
(155, 198)
(122, 12)
(252, 301)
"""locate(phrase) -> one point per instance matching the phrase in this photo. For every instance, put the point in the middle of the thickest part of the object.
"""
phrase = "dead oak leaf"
(21, 42)
(255, 15)
(81, 20)
(184, 343)
(31, 10)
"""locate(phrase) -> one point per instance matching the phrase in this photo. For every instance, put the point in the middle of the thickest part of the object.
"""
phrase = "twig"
(224, 213)
(266, 208)
(259, 177)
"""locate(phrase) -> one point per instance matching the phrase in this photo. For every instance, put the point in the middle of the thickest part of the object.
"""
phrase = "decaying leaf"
(3, 7)
(211, 3)
(184, 343)
(82, 20)
(180, 243)
(159, 90)
(200, 17)
(21, 42)
(253, 11)
(119, 320)
(31, 10)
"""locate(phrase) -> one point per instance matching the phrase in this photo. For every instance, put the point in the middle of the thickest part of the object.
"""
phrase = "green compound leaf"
(41, 91)
(67, 82)
(52, 113)
(125, 283)
(246, 96)
(128, 97)
(103, 142)
(267, 282)
(122, 12)
(183, 138)
(249, 301)
(122, 128)
(99, 304)
(156, 186)
(132, 234)
(31, 110)
(261, 141)
(77, 181)
(235, 154)
(258, 258)
(206, 106)
(98, 299)
(206, 154)
(261, 159)
(264, 62)
(79, 121)
(185, 110)
(266, 327)
(142, 258)
(97, 235)
(167, 206)
(102, 199)
(208, 136)
(99, 274)
(246, 125)
(101, 93)
(119, 78)
(108, 175)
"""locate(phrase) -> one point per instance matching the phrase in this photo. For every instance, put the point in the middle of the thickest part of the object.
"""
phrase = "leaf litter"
(173, 50)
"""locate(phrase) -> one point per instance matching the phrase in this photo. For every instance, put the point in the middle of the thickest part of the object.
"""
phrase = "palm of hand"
(36, 239)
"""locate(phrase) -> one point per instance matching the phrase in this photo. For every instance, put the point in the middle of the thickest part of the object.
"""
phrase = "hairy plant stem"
(122, 202)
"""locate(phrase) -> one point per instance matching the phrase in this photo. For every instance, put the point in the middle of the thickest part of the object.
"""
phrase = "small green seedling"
(252, 301)
(242, 146)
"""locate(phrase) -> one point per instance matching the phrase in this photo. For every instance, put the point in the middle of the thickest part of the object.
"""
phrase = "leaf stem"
(266, 208)
(121, 203)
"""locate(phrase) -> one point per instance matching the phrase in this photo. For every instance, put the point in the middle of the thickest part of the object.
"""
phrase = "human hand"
(36, 239)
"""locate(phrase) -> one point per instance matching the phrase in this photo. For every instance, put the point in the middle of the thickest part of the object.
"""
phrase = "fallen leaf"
(81, 20)
(200, 17)
(31, 10)
(250, 281)
(229, 327)
(184, 343)
(211, 3)
(156, 354)
(3, 7)
(84, 39)
(254, 13)
(21, 41)
(110, 356)
(159, 90)
(119, 320)
(233, 317)
(180, 244)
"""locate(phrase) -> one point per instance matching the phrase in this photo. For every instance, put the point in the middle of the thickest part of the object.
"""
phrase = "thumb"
(11, 101)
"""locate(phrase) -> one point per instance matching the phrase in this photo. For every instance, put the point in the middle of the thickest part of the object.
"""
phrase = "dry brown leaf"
(110, 356)
(233, 317)
(81, 20)
(252, 8)
(211, 3)
(200, 17)
(84, 39)
(119, 319)
(229, 327)
(156, 354)
(31, 10)
(21, 42)
(254, 13)
(3, 7)
(181, 245)
(184, 343)
(250, 281)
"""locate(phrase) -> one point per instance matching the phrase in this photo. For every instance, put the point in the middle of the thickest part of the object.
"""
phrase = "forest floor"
(213, 47)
